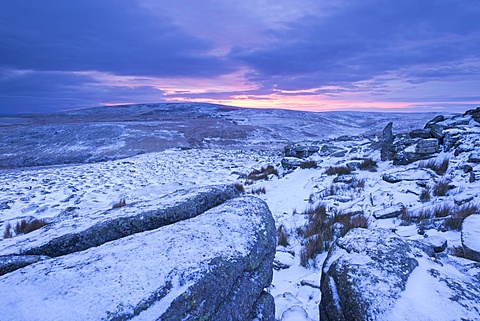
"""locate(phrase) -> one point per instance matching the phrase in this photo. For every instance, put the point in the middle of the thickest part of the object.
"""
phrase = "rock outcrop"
(69, 236)
(471, 237)
(300, 151)
(387, 150)
(214, 266)
(376, 275)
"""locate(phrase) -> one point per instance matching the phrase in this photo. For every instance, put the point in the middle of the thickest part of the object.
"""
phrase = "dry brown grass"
(282, 236)
(261, 174)
(258, 191)
(308, 164)
(120, 203)
(322, 229)
(239, 187)
(8, 231)
(368, 164)
(338, 170)
(24, 226)
(425, 194)
(441, 187)
(453, 214)
(440, 167)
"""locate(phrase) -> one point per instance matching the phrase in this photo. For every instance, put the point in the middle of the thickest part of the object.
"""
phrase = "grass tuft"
(439, 167)
(441, 187)
(239, 187)
(308, 164)
(26, 226)
(261, 174)
(425, 194)
(454, 222)
(282, 236)
(338, 170)
(120, 203)
(368, 164)
(8, 231)
(322, 229)
(258, 191)
(453, 214)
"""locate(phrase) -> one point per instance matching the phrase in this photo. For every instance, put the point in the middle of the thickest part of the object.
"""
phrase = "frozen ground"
(78, 190)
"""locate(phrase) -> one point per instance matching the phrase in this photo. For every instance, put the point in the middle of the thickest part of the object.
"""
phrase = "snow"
(92, 189)
(129, 269)
(427, 298)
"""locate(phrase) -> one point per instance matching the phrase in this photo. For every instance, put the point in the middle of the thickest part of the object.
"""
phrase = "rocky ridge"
(198, 254)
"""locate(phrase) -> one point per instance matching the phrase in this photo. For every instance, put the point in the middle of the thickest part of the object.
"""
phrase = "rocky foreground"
(387, 225)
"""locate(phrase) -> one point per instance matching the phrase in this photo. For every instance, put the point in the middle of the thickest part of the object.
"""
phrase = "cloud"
(115, 36)
(38, 91)
(362, 40)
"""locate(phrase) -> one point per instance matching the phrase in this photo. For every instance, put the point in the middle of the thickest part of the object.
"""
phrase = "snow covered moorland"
(365, 220)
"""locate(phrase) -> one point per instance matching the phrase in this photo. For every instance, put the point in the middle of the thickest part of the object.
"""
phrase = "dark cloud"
(33, 92)
(113, 36)
(365, 39)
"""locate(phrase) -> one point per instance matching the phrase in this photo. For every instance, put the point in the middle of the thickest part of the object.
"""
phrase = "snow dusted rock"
(427, 146)
(214, 266)
(437, 131)
(435, 120)
(420, 133)
(387, 150)
(471, 237)
(389, 212)
(295, 313)
(78, 234)
(291, 162)
(9, 263)
(300, 151)
(376, 275)
(474, 158)
(389, 178)
(438, 243)
(364, 273)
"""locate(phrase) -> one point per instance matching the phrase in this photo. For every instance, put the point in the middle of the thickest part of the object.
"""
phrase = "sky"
(409, 55)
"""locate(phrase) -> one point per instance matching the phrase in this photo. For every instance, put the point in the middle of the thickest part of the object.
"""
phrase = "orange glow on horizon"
(314, 103)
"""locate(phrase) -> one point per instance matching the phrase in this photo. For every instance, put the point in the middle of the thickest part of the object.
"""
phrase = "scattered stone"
(295, 313)
(300, 151)
(339, 154)
(471, 237)
(427, 146)
(467, 168)
(310, 284)
(437, 131)
(474, 158)
(389, 212)
(421, 133)
(472, 178)
(387, 150)
(353, 165)
(435, 120)
(291, 162)
(346, 179)
(438, 243)
(462, 199)
(4, 205)
(277, 265)
(389, 178)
